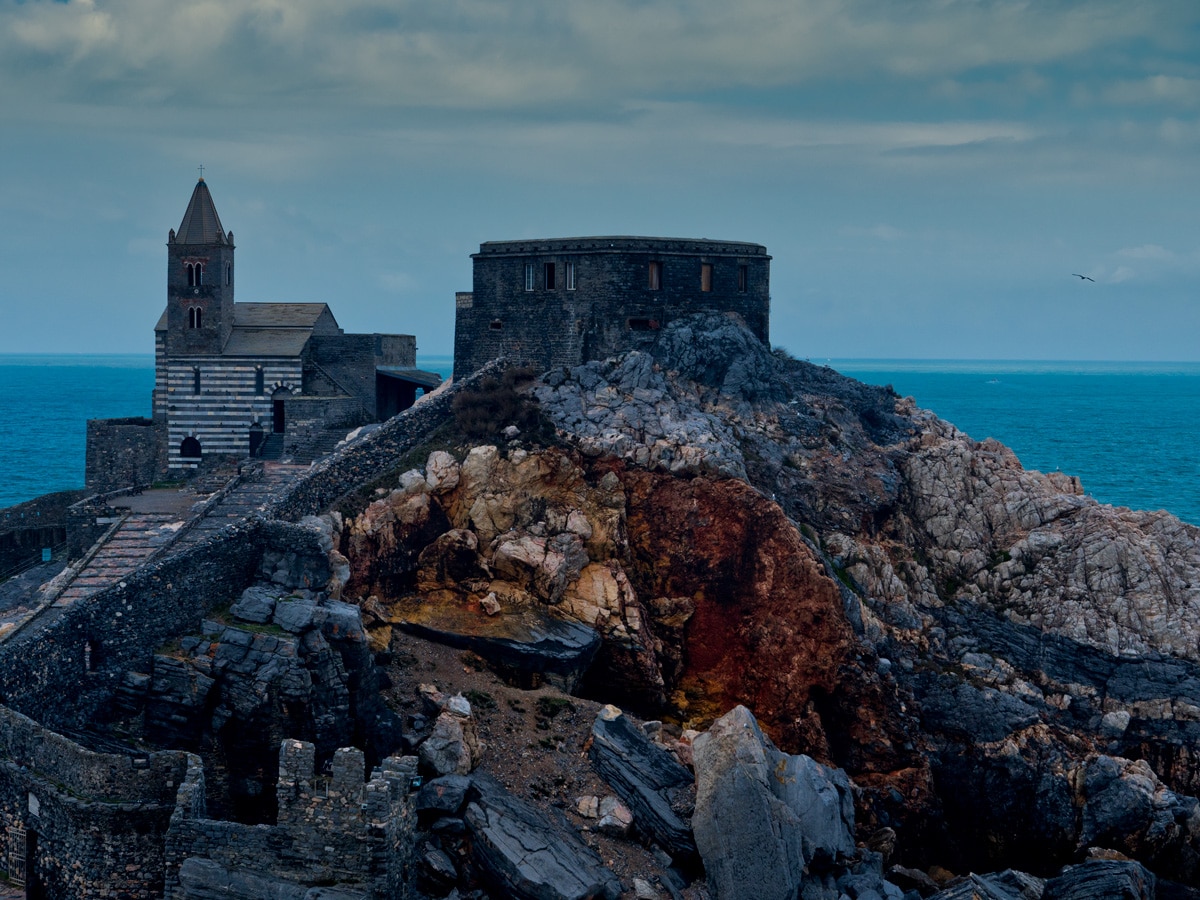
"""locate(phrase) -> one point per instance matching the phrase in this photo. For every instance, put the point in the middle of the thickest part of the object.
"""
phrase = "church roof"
(201, 224)
(266, 341)
(277, 315)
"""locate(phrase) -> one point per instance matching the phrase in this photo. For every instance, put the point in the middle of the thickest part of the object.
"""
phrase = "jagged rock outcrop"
(963, 637)
(764, 818)
(659, 791)
(526, 855)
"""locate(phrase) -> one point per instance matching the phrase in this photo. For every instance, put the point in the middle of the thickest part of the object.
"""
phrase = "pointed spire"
(201, 224)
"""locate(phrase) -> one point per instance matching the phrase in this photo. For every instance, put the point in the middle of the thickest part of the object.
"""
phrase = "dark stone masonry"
(566, 301)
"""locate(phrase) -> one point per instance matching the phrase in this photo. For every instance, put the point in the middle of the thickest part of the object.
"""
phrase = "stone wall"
(340, 828)
(307, 417)
(124, 452)
(65, 665)
(27, 528)
(371, 456)
(611, 307)
(92, 824)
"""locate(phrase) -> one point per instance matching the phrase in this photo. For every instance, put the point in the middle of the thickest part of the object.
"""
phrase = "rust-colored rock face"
(767, 627)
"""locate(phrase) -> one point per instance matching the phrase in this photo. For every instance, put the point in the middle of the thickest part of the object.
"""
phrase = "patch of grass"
(480, 700)
(485, 410)
(550, 707)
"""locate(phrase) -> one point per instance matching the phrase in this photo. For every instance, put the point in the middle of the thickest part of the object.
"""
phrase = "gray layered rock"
(763, 816)
(1103, 879)
(257, 604)
(655, 787)
(452, 748)
(527, 855)
(204, 879)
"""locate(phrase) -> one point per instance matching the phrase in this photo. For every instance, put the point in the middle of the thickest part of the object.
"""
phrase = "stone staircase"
(271, 447)
(248, 497)
(135, 539)
(139, 535)
(320, 445)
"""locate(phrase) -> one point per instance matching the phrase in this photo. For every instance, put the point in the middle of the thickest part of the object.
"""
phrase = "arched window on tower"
(199, 273)
(189, 449)
(199, 317)
(228, 274)
(191, 273)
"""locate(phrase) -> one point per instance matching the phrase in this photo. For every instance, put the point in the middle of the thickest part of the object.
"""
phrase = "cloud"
(485, 55)
(1157, 90)
(1146, 251)
(1121, 273)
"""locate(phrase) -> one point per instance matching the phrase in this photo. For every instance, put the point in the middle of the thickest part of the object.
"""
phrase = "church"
(235, 380)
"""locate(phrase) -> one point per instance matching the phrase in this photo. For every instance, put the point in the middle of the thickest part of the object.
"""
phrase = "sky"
(928, 175)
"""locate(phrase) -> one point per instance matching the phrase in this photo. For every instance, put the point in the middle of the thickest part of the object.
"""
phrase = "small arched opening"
(189, 449)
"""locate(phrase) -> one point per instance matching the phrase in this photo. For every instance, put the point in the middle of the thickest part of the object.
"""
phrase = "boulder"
(204, 879)
(529, 639)
(257, 604)
(442, 796)
(763, 816)
(1102, 879)
(525, 854)
(452, 748)
(655, 787)
(295, 615)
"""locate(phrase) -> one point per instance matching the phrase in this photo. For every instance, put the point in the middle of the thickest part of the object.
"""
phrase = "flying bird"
(1084, 277)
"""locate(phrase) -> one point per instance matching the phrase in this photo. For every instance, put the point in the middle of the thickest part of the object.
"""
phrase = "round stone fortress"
(564, 301)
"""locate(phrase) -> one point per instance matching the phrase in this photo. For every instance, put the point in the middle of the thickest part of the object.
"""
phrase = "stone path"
(247, 498)
(138, 536)
(154, 520)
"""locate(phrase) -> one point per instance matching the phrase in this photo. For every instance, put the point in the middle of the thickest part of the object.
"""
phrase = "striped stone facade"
(220, 415)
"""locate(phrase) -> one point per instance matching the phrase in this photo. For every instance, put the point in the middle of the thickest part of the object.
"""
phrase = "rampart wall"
(124, 452)
(341, 828)
(80, 824)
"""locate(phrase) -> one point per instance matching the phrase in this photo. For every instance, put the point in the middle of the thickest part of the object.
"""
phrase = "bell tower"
(199, 280)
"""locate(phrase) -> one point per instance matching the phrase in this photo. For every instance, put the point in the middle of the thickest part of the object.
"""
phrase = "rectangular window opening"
(549, 280)
(655, 273)
(529, 276)
(706, 276)
(639, 324)
(743, 278)
(570, 276)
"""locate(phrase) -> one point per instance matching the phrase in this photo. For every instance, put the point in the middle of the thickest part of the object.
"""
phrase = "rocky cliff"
(1006, 670)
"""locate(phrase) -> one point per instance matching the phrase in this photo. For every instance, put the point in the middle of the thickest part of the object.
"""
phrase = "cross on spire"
(201, 173)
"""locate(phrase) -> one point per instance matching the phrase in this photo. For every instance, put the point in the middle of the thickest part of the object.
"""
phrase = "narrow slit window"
(259, 380)
(228, 274)
(195, 379)
(550, 280)
(529, 276)
(655, 274)
(743, 278)
(570, 273)
(706, 277)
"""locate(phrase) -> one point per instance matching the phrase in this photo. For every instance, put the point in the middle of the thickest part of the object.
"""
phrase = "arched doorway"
(278, 417)
(189, 449)
(256, 438)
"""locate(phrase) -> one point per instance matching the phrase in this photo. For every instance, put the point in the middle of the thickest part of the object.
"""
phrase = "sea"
(1128, 430)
